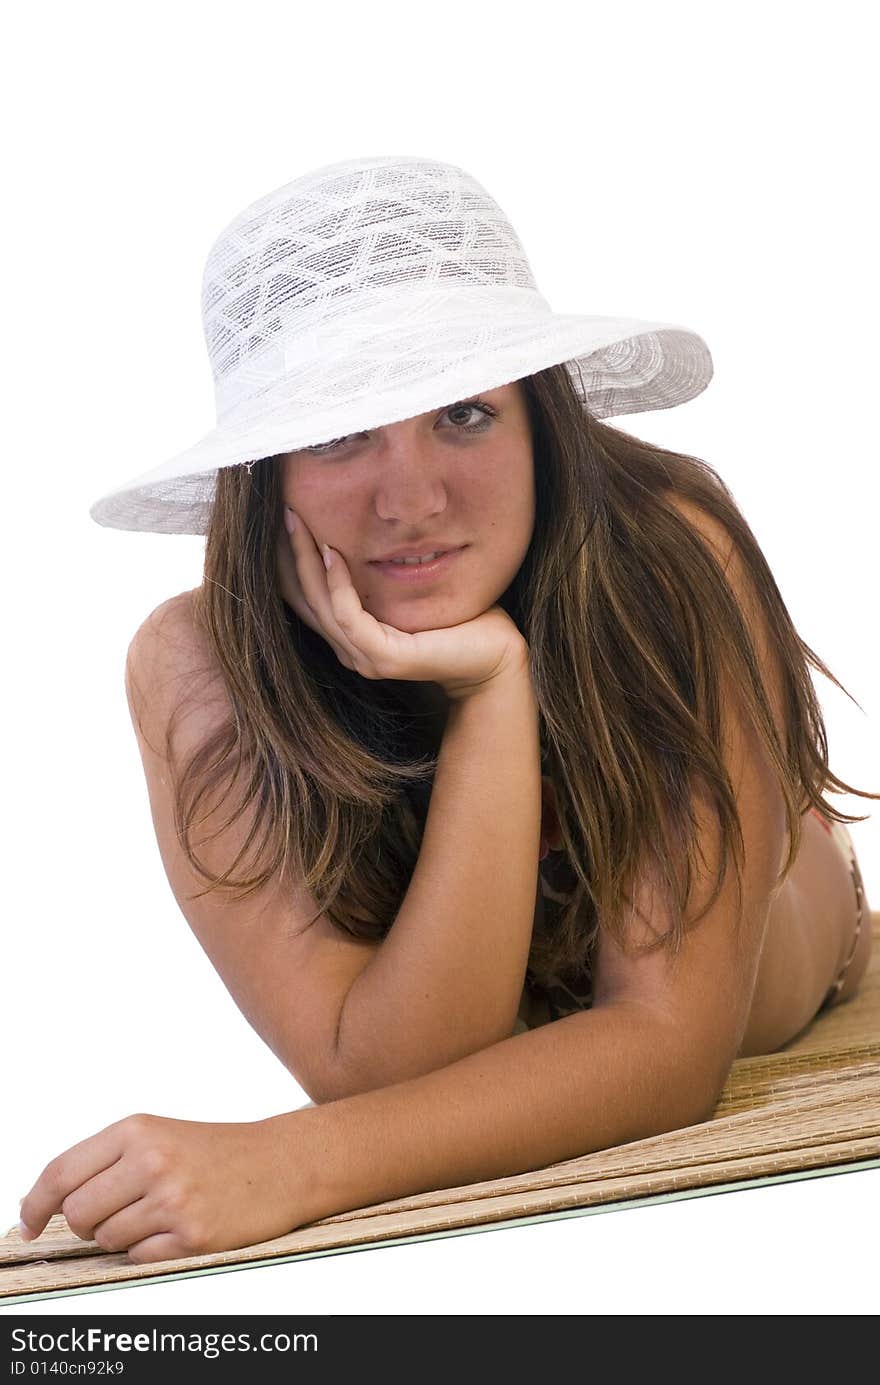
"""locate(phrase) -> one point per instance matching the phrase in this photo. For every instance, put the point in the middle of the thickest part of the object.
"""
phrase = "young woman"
(457, 836)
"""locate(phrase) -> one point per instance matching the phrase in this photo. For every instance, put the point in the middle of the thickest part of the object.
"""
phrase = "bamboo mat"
(813, 1105)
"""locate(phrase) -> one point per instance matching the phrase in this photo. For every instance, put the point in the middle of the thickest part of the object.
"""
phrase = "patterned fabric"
(840, 834)
(376, 289)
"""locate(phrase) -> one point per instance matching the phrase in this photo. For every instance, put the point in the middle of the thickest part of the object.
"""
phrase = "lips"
(419, 574)
(438, 549)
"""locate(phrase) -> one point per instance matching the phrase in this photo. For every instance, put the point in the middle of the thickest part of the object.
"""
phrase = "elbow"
(318, 1095)
(704, 1110)
(687, 1075)
(351, 1071)
(322, 1081)
(325, 1089)
(681, 1104)
(327, 1074)
(333, 1089)
(333, 1081)
(318, 1092)
(700, 1094)
(677, 1111)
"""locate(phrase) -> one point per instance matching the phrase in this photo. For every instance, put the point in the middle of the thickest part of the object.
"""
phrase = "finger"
(310, 574)
(378, 646)
(292, 593)
(288, 583)
(313, 581)
(68, 1172)
(104, 1196)
(295, 569)
(155, 1248)
(370, 646)
(136, 1222)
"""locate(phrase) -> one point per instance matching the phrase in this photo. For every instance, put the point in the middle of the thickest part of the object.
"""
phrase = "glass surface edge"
(741, 1185)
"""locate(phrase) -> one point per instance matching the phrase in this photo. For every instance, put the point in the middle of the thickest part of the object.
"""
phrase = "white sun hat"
(370, 291)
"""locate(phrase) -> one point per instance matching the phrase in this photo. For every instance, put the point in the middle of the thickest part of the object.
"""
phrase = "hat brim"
(618, 366)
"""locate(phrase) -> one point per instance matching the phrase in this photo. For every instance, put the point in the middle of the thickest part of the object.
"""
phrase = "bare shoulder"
(171, 627)
(170, 668)
(810, 922)
(706, 525)
(287, 966)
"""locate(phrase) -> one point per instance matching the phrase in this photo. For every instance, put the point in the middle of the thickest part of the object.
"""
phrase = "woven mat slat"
(813, 1104)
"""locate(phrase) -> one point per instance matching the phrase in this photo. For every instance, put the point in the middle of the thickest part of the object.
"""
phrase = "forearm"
(448, 977)
(591, 1081)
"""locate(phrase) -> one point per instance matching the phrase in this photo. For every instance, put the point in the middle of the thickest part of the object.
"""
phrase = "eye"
(484, 409)
(469, 405)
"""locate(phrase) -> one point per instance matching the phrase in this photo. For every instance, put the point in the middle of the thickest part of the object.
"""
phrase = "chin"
(410, 622)
(412, 617)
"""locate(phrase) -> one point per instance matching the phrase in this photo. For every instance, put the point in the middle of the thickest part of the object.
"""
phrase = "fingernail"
(25, 1233)
(289, 519)
(328, 555)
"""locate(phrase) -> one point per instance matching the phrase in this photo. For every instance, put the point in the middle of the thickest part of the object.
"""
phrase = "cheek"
(509, 501)
(303, 482)
(322, 498)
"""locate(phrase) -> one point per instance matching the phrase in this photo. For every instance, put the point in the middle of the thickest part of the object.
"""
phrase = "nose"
(410, 474)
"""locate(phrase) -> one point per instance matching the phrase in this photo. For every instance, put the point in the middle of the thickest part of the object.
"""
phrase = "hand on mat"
(460, 658)
(163, 1189)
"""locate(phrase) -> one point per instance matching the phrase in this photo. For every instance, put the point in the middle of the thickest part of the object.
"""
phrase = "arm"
(162, 1188)
(588, 1082)
(652, 1054)
(447, 980)
(289, 977)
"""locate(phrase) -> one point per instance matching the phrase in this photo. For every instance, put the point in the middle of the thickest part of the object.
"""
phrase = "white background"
(708, 165)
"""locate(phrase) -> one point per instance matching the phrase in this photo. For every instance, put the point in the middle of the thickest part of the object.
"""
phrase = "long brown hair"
(629, 622)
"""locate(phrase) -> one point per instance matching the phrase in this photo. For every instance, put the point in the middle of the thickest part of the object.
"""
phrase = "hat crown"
(341, 241)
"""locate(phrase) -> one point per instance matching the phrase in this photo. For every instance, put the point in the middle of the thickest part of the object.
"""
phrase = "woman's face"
(425, 482)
